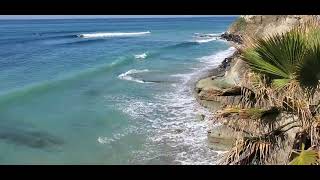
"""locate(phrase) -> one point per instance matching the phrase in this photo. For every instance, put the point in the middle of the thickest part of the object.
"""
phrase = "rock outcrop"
(222, 89)
(232, 37)
(221, 138)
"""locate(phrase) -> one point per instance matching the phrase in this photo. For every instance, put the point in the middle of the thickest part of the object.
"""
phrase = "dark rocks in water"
(33, 139)
(226, 62)
(232, 37)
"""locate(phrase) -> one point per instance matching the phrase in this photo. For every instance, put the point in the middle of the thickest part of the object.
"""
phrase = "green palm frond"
(282, 58)
(276, 55)
(308, 71)
(280, 83)
(305, 157)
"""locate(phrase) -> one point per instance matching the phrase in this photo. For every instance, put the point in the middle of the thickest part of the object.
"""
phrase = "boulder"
(200, 117)
(221, 138)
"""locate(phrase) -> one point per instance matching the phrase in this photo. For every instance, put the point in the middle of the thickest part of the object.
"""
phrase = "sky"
(99, 16)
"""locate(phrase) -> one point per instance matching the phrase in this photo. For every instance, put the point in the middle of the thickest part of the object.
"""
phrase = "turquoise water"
(105, 98)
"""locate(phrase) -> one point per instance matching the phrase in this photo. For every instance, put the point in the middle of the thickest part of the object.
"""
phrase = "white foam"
(104, 140)
(126, 75)
(217, 58)
(210, 34)
(206, 40)
(174, 109)
(207, 63)
(113, 34)
(117, 136)
(209, 38)
(140, 56)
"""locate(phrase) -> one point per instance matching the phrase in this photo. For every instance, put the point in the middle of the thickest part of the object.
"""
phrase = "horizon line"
(33, 17)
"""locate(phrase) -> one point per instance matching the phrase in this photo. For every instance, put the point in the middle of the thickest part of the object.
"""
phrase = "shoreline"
(217, 72)
(215, 141)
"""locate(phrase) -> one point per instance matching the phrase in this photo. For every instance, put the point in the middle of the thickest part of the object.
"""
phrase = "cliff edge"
(218, 90)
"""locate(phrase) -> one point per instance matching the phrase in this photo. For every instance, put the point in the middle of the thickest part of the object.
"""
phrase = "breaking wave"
(113, 34)
(140, 56)
(126, 75)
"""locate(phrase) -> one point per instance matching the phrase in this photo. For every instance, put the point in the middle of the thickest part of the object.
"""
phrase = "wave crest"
(113, 34)
(126, 75)
(204, 38)
(140, 56)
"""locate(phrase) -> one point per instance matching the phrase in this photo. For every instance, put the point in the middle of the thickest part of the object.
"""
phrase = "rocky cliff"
(219, 89)
(262, 25)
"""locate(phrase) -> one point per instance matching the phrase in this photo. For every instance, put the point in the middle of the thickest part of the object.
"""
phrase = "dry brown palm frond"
(291, 97)
(254, 91)
(315, 132)
(258, 149)
(301, 108)
(251, 120)
(248, 42)
(271, 118)
(251, 150)
(310, 28)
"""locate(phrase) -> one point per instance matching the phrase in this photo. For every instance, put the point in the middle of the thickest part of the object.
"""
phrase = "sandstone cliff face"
(262, 25)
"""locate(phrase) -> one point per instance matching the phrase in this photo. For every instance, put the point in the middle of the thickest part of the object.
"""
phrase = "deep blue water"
(116, 99)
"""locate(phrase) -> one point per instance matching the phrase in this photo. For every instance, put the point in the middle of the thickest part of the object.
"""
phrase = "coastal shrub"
(240, 24)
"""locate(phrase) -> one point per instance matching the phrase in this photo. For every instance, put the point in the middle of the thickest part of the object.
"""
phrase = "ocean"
(106, 91)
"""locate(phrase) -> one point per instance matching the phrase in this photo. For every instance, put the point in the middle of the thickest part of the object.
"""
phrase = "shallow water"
(122, 99)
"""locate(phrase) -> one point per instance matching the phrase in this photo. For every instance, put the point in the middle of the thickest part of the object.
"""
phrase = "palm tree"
(284, 78)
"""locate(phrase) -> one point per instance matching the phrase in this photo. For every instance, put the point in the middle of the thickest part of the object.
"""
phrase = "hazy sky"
(97, 16)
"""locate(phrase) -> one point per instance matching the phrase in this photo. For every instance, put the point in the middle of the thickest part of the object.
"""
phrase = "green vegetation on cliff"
(281, 114)
(239, 24)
